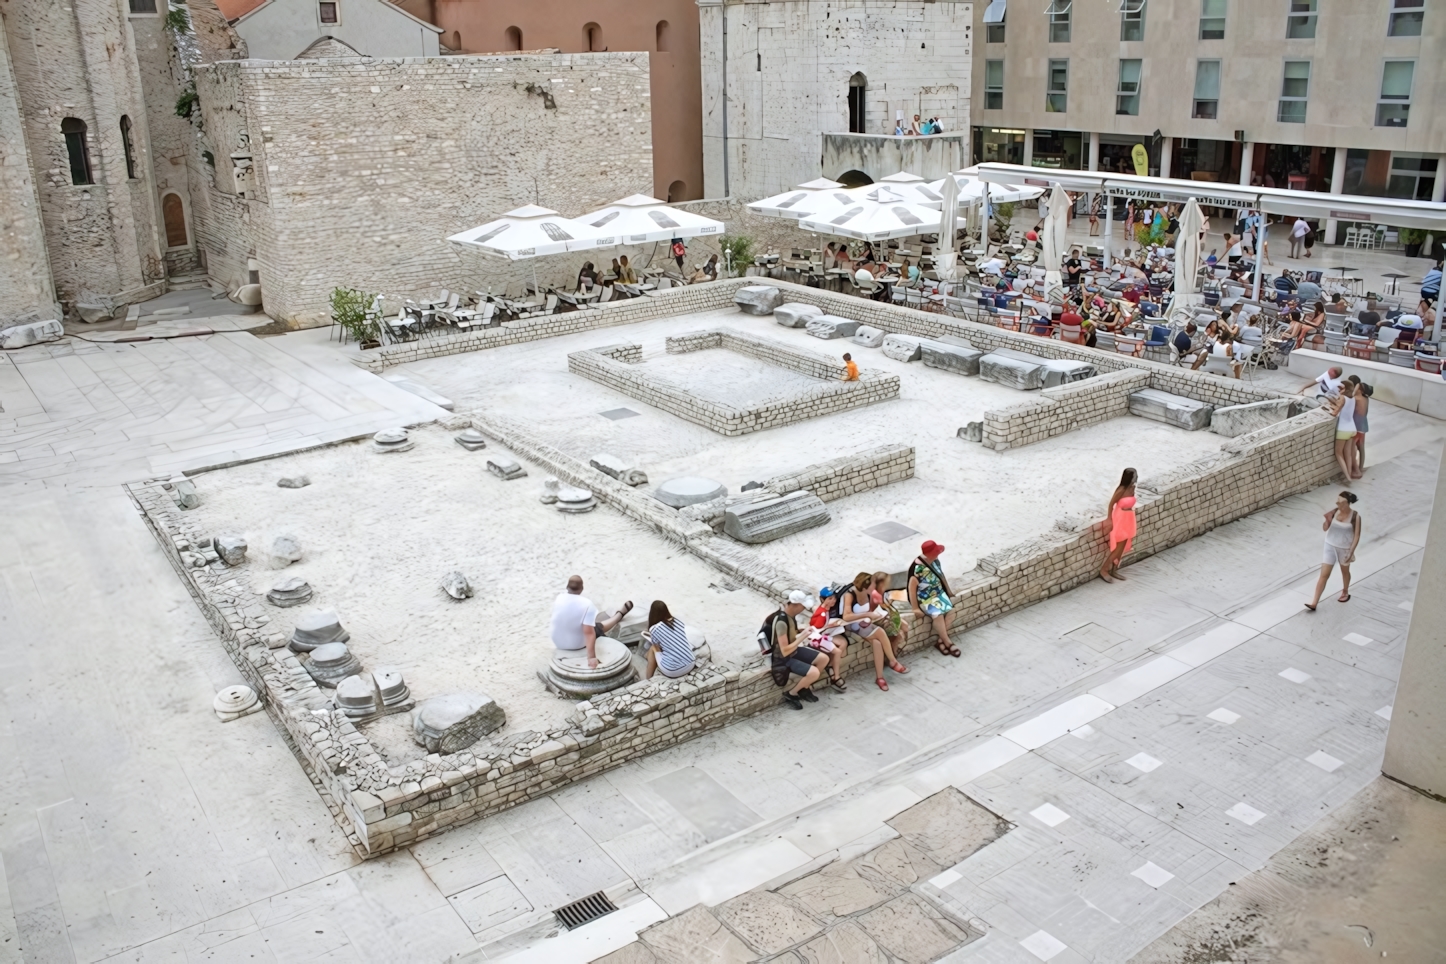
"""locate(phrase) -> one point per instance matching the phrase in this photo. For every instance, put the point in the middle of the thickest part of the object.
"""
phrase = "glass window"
(994, 33)
(994, 22)
(1059, 21)
(149, 6)
(1132, 19)
(1412, 176)
(1394, 107)
(993, 85)
(1300, 25)
(1406, 17)
(78, 150)
(328, 12)
(1207, 90)
(1294, 90)
(1127, 97)
(1212, 20)
(1056, 96)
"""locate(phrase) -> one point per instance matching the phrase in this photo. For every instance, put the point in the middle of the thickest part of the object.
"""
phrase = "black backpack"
(777, 667)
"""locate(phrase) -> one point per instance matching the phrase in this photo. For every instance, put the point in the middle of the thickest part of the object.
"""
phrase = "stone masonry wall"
(1064, 408)
(383, 808)
(364, 167)
(25, 290)
(849, 474)
(636, 381)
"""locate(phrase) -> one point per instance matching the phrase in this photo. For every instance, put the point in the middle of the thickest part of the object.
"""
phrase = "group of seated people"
(622, 272)
(867, 270)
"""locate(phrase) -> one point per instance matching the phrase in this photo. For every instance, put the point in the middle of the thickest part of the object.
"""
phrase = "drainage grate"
(589, 908)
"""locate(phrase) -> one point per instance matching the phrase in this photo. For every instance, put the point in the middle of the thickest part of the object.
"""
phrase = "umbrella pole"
(1109, 226)
(1259, 252)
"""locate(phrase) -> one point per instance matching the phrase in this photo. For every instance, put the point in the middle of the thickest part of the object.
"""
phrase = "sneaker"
(793, 701)
(807, 694)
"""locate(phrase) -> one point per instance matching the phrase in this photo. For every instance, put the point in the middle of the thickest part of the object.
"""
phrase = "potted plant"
(349, 309)
(1412, 238)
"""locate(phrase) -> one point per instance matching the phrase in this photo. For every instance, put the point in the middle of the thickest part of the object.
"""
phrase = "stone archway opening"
(858, 90)
(854, 179)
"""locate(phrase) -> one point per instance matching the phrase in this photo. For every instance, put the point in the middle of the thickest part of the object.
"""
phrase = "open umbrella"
(809, 199)
(1056, 223)
(528, 232)
(944, 253)
(880, 214)
(912, 188)
(639, 219)
(1187, 257)
(972, 190)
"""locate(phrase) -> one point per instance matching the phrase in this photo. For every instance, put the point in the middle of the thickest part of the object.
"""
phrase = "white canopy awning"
(528, 232)
(639, 219)
(879, 214)
(912, 188)
(1397, 212)
(807, 199)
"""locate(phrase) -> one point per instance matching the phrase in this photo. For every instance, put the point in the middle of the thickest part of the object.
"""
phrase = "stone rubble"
(1190, 414)
(183, 491)
(456, 585)
(293, 482)
(770, 519)
(831, 326)
(868, 337)
(231, 549)
(392, 440)
(504, 468)
(288, 592)
(35, 333)
(550, 487)
(446, 724)
(285, 549)
(904, 348)
(758, 299)
(795, 315)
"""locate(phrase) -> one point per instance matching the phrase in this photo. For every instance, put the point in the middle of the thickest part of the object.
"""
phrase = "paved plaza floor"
(1148, 743)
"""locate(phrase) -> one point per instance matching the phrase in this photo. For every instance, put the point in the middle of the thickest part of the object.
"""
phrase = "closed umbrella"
(1187, 258)
(1056, 224)
(945, 255)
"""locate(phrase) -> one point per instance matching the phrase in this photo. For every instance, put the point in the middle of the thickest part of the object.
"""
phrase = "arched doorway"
(677, 191)
(664, 38)
(592, 38)
(858, 90)
(174, 215)
(514, 38)
(854, 179)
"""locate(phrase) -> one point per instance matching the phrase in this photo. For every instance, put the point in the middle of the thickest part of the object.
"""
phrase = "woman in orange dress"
(1120, 525)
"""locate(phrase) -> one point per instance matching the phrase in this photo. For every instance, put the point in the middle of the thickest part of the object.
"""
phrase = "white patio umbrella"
(1187, 257)
(809, 198)
(882, 213)
(639, 219)
(972, 190)
(945, 256)
(528, 232)
(1056, 223)
(912, 188)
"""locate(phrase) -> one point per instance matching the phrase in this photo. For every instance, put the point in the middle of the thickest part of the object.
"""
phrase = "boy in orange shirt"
(851, 367)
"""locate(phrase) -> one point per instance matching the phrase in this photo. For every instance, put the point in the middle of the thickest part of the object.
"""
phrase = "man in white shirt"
(575, 623)
(994, 266)
(1298, 231)
(1328, 385)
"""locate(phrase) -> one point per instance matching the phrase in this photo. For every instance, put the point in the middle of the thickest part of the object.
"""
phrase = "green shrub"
(349, 310)
(737, 251)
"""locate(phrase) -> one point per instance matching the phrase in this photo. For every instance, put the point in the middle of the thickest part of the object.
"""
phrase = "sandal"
(898, 667)
(837, 682)
(627, 608)
(946, 649)
(883, 684)
(1344, 597)
(1310, 607)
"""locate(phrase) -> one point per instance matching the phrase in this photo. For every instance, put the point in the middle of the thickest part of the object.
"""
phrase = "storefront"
(1060, 149)
(1204, 160)
(998, 145)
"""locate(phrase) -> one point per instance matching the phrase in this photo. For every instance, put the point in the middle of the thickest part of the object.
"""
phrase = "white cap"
(798, 598)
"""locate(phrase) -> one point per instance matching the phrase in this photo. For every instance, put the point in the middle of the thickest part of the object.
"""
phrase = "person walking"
(1298, 231)
(1122, 537)
(1342, 534)
(1363, 393)
(1343, 407)
(929, 594)
(680, 251)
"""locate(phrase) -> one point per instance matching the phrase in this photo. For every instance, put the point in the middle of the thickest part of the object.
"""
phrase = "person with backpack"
(680, 251)
(929, 594)
(779, 638)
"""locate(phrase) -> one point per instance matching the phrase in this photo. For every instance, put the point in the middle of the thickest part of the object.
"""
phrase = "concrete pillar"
(1438, 190)
(1167, 155)
(1338, 186)
(1028, 146)
(1247, 161)
(1416, 743)
(1095, 151)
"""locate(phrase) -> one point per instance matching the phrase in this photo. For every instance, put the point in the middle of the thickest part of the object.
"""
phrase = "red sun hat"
(931, 548)
(1031, 236)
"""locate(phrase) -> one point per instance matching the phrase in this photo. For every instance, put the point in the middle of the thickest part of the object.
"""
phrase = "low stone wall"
(614, 367)
(849, 474)
(1064, 408)
(383, 807)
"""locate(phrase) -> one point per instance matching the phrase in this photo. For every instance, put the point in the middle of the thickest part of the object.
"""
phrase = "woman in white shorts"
(1342, 535)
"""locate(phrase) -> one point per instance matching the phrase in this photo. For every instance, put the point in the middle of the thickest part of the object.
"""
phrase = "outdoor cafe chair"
(1360, 346)
(1429, 363)
(1126, 345)
(1401, 357)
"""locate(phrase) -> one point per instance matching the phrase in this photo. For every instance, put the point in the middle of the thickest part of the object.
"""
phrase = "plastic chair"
(1071, 334)
(1126, 345)
(1218, 365)
(1360, 346)
(1401, 357)
(1429, 363)
(1105, 340)
(1335, 341)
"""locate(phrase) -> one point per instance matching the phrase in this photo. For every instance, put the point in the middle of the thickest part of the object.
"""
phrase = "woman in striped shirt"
(667, 642)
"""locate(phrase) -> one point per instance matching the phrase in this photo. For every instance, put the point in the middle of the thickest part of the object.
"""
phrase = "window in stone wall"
(664, 38)
(173, 214)
(858, 90)
(514, 38)
(592, 38)
(1127, 95)
(1300, 25)
(329, 12)
(1212, 20)
(143, 6)
(128, 146)
(75, 145)
(1207, 90)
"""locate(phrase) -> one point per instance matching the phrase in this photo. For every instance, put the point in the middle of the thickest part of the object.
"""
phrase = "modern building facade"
(1310, 94)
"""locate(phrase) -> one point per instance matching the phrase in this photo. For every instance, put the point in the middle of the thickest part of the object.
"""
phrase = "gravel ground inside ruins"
(973, 500)
(378, 533)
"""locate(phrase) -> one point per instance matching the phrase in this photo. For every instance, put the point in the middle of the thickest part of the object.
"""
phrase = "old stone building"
(797, 70)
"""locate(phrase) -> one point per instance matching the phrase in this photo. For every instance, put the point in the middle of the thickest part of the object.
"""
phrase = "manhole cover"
(618, 413)
(890, 532)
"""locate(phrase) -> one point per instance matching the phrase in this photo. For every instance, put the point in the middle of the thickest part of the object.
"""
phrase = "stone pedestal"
(1188, 413)
(234, 702)
(291, 591)
(758, 299)
(770, 519)
(795, 315)
(331, 663)
(446, 724)
(571, 499)
(356, 697)
(569, 674)
(392, 440)
(471, 440)
(391, 686)
(831, 326)
(505, 468)
(689, 490)
(316, 628)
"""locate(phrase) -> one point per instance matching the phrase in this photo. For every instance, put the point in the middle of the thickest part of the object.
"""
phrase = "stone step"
(187, 282)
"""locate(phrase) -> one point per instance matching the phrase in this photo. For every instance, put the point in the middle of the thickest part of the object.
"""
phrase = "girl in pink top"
(1120, 525)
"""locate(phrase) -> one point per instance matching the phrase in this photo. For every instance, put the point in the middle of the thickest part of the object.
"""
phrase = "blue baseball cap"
(825, 592)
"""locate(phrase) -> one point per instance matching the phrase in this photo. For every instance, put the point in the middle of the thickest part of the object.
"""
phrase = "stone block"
(1012, 372)
(505, 468)
(291, 591)
(456, 585)
(231, 549)
(795, 314)
(1187, 413)
(293, 482)
(284, 551)
(904, 348)
(183, 491)
(1062, 371)
(609, 465)
(93, 313)
(758, 299)
(356, 697)
(869, 337)
(1233, 420)
(331, 663)
(32, 334)
(767, 921)
(446, 724)
(831, 326)
(770, 519)
(972, 432)
(689, 490)
(961, 359)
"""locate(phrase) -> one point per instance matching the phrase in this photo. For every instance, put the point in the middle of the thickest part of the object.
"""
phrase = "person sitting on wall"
(707, 271)
(666, 642)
